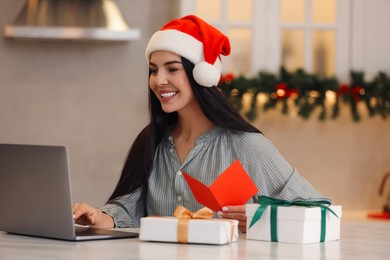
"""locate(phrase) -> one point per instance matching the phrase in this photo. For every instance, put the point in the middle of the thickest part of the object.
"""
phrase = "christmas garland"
(304, 93)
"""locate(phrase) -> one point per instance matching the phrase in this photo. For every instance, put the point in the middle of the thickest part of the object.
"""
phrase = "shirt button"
(179, 173)
(179, 198)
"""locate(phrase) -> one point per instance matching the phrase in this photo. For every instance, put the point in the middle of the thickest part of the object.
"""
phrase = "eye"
(153, 71)
(173, 69)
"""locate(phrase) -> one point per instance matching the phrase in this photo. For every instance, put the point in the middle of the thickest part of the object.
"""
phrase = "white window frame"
(266, 27)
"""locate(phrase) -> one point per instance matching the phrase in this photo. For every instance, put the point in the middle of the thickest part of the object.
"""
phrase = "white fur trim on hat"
(177, 42)
(183, 44)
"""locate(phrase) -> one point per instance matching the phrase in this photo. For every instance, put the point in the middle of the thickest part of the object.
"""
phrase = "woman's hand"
(85, 214)
(235, 212)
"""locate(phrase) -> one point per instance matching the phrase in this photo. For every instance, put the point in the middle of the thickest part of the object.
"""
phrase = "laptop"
(35, 195)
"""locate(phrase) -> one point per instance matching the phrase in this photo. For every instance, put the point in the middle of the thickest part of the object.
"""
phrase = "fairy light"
(373, 102)
(314, 94)
(262, 98)
(234, 92)
(246, 100)
(281, 92)
(330, 97)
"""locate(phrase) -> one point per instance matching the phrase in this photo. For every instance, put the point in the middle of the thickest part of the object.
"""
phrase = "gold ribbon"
(181, 212)
(184, 216)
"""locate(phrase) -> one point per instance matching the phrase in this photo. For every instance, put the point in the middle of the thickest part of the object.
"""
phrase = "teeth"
(166, 95)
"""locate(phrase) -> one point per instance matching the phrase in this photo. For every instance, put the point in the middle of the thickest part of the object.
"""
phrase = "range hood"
(71, 20)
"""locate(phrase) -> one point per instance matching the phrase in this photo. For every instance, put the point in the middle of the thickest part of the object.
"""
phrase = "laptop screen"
(35, 191)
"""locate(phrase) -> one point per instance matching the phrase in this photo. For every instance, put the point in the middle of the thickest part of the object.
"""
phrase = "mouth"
(168, 94)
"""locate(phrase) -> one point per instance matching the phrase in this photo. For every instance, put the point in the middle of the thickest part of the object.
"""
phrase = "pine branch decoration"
(308, 93)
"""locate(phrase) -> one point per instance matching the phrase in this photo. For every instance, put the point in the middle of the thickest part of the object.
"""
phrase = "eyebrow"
(166, 63)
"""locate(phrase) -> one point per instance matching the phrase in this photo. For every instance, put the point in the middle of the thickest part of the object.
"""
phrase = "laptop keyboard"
(85, 231)
(95, 232)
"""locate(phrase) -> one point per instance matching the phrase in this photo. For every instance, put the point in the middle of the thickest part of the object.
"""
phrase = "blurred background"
(87, 90)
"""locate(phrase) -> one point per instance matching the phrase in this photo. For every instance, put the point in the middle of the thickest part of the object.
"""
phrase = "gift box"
(189, 228)
(199, 231)
(293, 224)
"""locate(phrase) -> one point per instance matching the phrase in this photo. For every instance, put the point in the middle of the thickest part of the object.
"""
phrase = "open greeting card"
(232, 187)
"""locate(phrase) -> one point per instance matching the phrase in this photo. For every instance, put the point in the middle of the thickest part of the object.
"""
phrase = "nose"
(160, 79)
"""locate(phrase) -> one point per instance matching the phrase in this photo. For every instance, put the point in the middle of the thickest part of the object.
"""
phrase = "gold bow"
(182, 212)
(184, 215)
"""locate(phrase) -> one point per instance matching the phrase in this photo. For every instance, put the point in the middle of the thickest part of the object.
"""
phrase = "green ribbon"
(275, 203)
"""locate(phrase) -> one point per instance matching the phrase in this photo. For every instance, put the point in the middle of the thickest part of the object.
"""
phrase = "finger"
(91, 220)
(82, 210)
(85, 220)
(237, 208)
(238, 216)
(242, 224)
(242, 229)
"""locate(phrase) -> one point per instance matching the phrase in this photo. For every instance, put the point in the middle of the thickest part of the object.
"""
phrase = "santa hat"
(197, 41)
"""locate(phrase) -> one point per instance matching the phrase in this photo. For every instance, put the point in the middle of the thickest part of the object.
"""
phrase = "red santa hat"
(195, 40)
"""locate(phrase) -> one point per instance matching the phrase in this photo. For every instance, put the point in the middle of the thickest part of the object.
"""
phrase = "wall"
(370, 36)
(91, 97)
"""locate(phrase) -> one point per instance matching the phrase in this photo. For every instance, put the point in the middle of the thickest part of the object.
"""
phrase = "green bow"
(274, 203)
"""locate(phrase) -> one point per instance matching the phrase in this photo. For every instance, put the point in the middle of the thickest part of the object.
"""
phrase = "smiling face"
(169, 82)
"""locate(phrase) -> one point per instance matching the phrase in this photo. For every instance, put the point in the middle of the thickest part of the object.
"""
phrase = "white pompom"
(206, 74)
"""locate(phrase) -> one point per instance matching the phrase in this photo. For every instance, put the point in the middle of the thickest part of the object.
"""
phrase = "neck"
(191, 124)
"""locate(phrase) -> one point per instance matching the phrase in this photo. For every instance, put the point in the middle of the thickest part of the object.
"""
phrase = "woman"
(194, 129)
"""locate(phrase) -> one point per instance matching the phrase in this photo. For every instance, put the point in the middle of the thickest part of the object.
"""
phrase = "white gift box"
(295, 224)
(200, 231)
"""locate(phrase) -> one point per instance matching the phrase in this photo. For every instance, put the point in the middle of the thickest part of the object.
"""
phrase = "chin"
(168, 110)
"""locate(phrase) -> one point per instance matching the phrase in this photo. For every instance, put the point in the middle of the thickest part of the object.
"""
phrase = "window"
(268, 34)
(237, 25)
(308, 31)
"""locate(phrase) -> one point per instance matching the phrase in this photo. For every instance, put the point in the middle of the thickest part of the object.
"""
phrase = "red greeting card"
(232, 187)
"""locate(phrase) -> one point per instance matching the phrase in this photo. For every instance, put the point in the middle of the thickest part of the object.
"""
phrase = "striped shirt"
(213, 152)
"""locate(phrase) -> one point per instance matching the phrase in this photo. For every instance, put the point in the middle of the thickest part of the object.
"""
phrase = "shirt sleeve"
(126, 210)
(270, 171)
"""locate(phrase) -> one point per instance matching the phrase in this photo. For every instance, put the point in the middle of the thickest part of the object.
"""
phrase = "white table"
(359, 240)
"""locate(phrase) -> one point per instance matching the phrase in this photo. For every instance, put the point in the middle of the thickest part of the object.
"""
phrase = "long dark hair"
(139, 161)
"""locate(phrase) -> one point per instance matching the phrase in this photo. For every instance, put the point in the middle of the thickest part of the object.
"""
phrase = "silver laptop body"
(35, 194)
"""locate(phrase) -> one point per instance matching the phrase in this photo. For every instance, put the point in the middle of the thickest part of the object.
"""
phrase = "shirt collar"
(207, 136)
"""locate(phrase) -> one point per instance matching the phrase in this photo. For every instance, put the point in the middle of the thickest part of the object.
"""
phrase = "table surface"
(360, 239)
